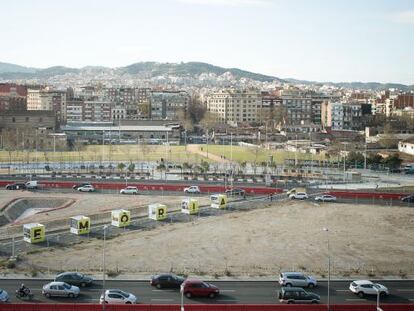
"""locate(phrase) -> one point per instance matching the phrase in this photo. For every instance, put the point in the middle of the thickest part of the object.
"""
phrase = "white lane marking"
(405, 290)
(161, 299)
(355, 299)
(163, 290)
(228, 290)
(342, 290)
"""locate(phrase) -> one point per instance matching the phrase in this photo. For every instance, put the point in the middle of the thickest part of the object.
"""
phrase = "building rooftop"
(122, 128)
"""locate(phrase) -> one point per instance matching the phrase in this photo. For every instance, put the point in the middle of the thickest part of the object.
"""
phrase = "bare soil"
(365, 240)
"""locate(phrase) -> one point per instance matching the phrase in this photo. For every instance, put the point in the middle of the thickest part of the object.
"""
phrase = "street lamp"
(103, 267)
(329, 267)
(182, 297)
(378, 298)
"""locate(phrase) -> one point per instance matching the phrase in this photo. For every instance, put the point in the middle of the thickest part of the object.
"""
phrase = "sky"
(319, 40)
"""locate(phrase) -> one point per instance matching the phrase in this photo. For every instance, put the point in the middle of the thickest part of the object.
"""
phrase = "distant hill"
(149, 69)
(6, 67)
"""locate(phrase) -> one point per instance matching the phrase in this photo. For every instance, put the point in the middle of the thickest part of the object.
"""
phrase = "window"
(13, 119)
(27, 119)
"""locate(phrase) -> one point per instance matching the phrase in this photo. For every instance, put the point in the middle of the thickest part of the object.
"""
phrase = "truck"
(295, 190)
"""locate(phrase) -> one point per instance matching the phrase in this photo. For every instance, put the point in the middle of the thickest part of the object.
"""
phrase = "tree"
(131, 167)
(388, 139)
(392, 161)
(209, 120)
(374, 160)
(121, 166)
(355, 158)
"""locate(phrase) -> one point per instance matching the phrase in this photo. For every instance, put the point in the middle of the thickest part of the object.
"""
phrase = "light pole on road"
(329, 269)
(103, 267)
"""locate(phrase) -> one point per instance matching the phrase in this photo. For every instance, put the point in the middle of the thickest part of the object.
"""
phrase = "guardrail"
(368, 195)
(202, 307)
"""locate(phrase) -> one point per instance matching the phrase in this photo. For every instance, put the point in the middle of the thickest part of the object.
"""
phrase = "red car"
(198, 288)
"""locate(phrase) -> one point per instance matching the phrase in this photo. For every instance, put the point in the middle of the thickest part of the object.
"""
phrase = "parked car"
(298, 196)
(236, 191)
(365, 287)
(297, 279)
(166, 281)
(192, 189)
(129, 190)
(16, 186)
(32, 184)
(297, 295)
(75, 187)
(61, 289)
(118, 296)
(408, 199)
(86, 188)
(325, 198)
(74, 278)
(197, 288)
(4, 296)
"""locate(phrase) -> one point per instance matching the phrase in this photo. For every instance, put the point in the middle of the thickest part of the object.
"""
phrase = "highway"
(231, 292)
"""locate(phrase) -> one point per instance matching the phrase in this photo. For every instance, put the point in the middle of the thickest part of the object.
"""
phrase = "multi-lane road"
(232, 292)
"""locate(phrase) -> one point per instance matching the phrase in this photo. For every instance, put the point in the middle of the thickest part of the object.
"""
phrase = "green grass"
(249, 154)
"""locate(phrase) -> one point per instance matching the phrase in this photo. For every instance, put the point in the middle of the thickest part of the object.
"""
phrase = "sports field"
(177, 154)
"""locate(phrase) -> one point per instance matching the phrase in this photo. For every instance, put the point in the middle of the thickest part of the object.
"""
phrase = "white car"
(298, 196)
(365, 287)
(192, 189)
(61, 289)
(4, 297)
(86, 188)
(325, 198)
(129, 190)
(118, 296)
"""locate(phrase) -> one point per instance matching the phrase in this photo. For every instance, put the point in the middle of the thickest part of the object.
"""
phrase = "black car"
(297, 295)
(16, 186)
(408, 199)
(236, 191)
(166, 281)
(75, 187)
(74, 278)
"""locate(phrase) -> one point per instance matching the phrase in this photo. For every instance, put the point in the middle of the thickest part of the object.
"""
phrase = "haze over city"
(310, 40)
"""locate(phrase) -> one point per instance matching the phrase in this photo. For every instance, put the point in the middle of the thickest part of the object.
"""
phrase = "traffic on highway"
(168, 289)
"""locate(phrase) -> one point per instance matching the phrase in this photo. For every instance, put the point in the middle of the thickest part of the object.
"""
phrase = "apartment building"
(235, 106)
(167, 104)
(48, 100)
(97, 111)
(12, 97)
(74, 110)
(299, 108)
(341, 116)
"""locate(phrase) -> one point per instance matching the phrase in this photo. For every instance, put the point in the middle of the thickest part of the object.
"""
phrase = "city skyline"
(321, 41)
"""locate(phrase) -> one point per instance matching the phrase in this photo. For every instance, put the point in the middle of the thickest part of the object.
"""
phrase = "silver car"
(118, 296)
(61, 289)
(296, 279)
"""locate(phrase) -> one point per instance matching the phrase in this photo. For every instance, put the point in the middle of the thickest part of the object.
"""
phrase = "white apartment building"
(74, 111)
(406, 146)
(234, 106)
(341, 116)
(39, 100)
(118, 113)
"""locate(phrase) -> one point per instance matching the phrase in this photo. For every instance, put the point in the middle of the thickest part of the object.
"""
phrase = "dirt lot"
(365, 240)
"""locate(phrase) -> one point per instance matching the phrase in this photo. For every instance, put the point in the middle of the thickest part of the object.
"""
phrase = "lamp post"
(103, 267)
(378, 298)
(182, 297)
(329, 268)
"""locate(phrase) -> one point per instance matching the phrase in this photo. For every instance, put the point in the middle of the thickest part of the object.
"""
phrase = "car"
(118, 296)
(197, 288)
(192, 189)
(297, 295)
(325, 198)
(298, 196)
(74, 278)
(129, 190)
(408, 199)
(75, 187)
(86, 188)
(16, 186)
(4, 296)
(166, 281)
(61, 289)
(297, 279)
(235, 191)
(366, 287)
(32, 184)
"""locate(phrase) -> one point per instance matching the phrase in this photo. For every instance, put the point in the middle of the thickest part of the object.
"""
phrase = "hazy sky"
(324, 40)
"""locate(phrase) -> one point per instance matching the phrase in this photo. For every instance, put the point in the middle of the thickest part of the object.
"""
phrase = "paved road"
(236, 292)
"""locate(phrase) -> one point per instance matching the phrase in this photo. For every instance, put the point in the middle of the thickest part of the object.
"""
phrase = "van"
(32, 184)
(297, 295)
(295, 190)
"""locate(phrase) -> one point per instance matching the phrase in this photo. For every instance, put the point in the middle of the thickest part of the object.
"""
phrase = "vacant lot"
(369, 241)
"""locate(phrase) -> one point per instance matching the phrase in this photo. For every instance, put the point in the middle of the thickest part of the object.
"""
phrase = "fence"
(202, 307)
